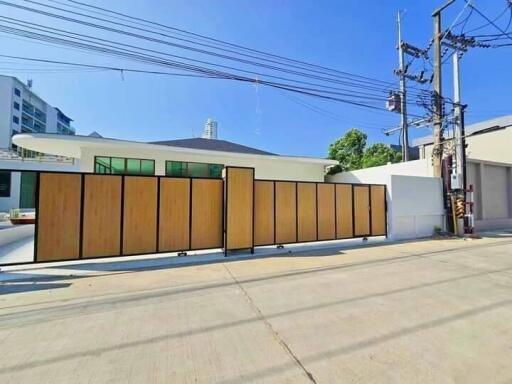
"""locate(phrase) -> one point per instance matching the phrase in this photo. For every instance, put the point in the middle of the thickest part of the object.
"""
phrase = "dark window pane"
(147, 167)
(16, 106)
(117, 165)
(5, 184)
(17, 92)
(16, 119)
(175, 168)
(216, 170)
(28, 190)
(198, 170)
(133, 166)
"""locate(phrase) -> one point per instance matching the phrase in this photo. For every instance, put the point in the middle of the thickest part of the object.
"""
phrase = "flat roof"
(72, 145)
(497, 123)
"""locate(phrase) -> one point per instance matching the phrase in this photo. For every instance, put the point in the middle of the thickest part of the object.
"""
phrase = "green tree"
(348, 151)
(379, 154)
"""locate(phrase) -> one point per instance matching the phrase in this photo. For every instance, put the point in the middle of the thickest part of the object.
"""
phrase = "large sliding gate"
(81, 216)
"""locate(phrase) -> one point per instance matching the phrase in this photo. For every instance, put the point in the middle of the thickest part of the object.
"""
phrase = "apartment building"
(23, 111)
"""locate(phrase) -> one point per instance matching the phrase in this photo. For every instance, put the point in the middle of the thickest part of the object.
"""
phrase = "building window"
(28, 189)
(123, 166)
(5, 184)
(191, 169)
(16, 106)
(15, 119)
(17, 92)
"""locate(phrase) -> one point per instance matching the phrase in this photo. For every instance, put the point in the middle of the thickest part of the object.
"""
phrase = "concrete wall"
(417, 206)
(492, 183)
(265, 167)
(415, 203)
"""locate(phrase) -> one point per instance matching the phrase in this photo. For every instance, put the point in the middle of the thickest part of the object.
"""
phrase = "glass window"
(198, 170)
(15, 119)
(102, 165)
(133, 166)
(28, 190)
(117, 165)
(174, 168)
(17, 92)
(191, 169)
(121, 165)
(5, 184)
(216, 170)
(147, 167)
(16, 106)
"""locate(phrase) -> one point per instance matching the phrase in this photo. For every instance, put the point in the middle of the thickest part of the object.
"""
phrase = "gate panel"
(102, 216)
(139, 214)
(58, 217)
(239, 207)
(361, 210)
(174, 222)
(286, 212)
(306, 212)
(326, 212)
(378, 209)
(263, 212)
(207, 213)
(344, 222)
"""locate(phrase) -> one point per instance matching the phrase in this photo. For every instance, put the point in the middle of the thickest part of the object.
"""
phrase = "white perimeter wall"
(265, 168)
(415, 202)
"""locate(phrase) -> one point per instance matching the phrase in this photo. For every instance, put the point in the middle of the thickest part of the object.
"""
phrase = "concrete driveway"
(422, 312)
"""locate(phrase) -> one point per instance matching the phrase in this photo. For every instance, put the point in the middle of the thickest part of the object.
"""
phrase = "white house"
(188, 157)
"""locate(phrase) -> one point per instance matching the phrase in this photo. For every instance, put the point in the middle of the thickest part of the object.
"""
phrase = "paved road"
(424, 312)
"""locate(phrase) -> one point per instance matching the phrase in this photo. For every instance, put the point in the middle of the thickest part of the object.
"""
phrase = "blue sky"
(349, 35)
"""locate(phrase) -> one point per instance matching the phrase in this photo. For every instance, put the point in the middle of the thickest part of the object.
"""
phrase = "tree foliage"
(351, 152)
(348, 150)
(379, 154)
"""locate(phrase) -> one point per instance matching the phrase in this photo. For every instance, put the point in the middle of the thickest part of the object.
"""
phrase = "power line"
(173, 44)
(489, 20)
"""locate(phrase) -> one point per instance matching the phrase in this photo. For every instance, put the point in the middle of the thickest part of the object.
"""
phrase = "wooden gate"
(82, 216)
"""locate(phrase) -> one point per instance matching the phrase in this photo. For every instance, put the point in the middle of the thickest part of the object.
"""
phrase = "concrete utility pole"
(403, 93)
(458, 111)
(437, 153)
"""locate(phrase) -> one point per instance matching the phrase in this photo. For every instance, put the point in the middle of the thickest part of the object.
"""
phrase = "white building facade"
(190, 157)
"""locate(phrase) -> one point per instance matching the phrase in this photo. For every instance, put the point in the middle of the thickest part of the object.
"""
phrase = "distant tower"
(210, 129)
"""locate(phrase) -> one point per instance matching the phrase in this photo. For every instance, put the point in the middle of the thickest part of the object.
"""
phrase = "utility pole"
(403, 94)
(458, 111)
(437, 153)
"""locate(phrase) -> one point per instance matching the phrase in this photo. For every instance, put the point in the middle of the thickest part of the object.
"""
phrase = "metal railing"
(22, 154)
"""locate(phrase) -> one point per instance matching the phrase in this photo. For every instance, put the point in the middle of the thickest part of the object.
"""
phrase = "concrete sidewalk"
(418, 312)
